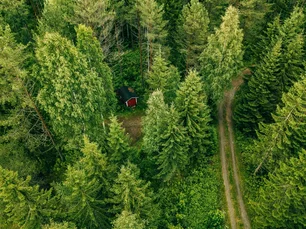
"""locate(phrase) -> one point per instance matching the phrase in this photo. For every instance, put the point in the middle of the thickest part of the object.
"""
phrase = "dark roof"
(126, 93)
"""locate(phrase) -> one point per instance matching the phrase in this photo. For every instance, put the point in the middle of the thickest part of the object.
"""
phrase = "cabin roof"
(126, 93)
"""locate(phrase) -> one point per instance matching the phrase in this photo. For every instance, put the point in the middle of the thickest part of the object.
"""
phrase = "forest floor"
(132, 125)
(232, 194)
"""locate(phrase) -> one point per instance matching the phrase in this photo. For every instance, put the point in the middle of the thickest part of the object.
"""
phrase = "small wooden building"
(127, 96)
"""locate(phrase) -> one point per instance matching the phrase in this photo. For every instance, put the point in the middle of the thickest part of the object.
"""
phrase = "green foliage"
(279, 68)
(191, 103)
(281, 200)
(127, 220)
(164, 77)
(192, 32)
(90, 47)
(222, 58)
(21, 204)
(70, 93)
(133, 195)
(64, 225)
(286, 137)
(173, 157)
(82, 192)
(118, 143)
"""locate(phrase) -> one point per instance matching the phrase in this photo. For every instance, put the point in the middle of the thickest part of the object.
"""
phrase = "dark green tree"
(222, 58)
(90, 47)
(281, 200)
(21, 204)
(173, 157)
(164, 77)
(193, 32)
(191, 103)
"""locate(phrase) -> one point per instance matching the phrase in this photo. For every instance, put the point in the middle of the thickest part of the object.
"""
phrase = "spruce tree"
(64, 225)
(127, 220)
(191, 102)
(193, 32)
(133, 195)
(164, 77)
(173, 157)
(154, 123)
(21, 204)
(286, 137)
(222, 58)
(117, 142)
(70, 93)
(90, 47)
(281, 199)
(151, 19)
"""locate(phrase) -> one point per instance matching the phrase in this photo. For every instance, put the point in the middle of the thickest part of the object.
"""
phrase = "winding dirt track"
(227, 104)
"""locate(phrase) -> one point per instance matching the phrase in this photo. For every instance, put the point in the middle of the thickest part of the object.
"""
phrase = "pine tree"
(127, 220)
(90, 47)
(193, 32)
(64, 225)
(286, 137)
(164, 77)
(70, 93)
(118, 143)
(22, 205)
(222, 58)
(84, 190)
(151, 19)
(133, 195)
(173, 157)
(191, 102)
(99, 16)
(259, 98)
(281, 200)
(154, 122)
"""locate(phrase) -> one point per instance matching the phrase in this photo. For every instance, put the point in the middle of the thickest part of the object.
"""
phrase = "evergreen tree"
(99, 16)
(151, 19)
(118, 143)
(90, 47)
(127, 220)
(154, 122)
(85, 188)
(191, 102)
(132, 194)
(222, 58)
(286, 137)
(70, 93)
(280, 66)
(22, 205)
(64, 225)
(193, 32)
(164, 77)
(173, 156)
(281, 200)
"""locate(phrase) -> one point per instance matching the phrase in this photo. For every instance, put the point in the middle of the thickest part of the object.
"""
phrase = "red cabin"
(127, 96)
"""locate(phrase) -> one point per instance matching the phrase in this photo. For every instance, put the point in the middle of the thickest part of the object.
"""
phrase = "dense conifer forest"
(73, 156)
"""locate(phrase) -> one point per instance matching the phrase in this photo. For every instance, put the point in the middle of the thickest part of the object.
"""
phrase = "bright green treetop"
(127, 220)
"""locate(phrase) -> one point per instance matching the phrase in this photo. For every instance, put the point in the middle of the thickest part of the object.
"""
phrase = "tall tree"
(127, 220)
(84, 189)
(151, 19)
(164, 77)
(99, 16)
(90, 47)
(222, 58)
(286, 137)
(21, 204)
(193, 32)
(117, 142)
(191, 102)
(173, 157)
(281, 200)
(70, 93)
(133, 195)
(280, 66)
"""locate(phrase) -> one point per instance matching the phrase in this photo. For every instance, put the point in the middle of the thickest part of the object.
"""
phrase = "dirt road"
(224, 142)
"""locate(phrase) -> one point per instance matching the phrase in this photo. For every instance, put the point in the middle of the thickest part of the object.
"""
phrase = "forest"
(73, 156)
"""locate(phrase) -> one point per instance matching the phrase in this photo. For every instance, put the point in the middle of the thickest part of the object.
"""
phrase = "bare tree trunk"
(140, 49)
